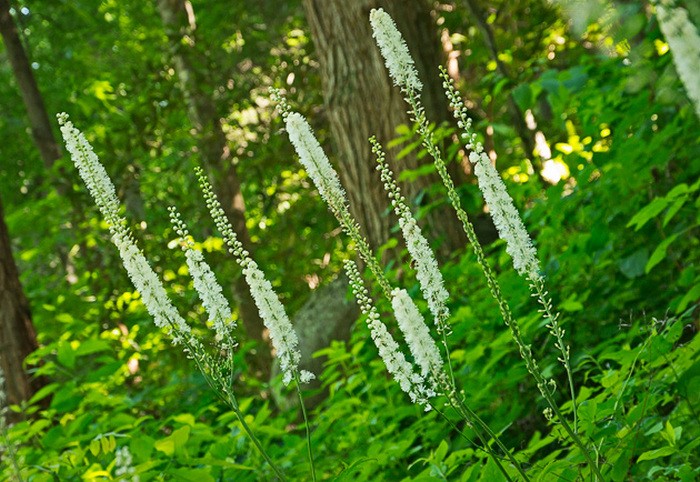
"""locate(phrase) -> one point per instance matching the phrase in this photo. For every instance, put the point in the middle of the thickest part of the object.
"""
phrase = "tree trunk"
(361, 101)
(17, 335)
(38, 119)
(179, 21)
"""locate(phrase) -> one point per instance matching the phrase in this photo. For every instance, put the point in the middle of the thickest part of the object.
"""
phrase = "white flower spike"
(394, 50)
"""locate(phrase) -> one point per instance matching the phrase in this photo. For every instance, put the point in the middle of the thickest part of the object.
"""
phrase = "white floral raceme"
(144, 279)
(684, 41)
(394, 50)
(427, 270)
(146, 282)
(206, 285)
(90, 169)
(426, 265)
(505, 216)
(314, 160)
(210, 293)
(282, 334)
(284, 338)
(422, 346)
(396, 364)
(124, 470)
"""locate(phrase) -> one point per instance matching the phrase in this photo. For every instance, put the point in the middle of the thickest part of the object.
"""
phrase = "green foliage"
(617, 239)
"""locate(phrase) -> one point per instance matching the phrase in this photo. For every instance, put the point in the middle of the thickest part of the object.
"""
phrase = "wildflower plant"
(155, 298)
(416, 333)
(506, 218)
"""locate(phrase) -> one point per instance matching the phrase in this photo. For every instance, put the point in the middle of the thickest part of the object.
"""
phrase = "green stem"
(476, 419)
(234, 405)
(416, 110)
(306, 422)
(487, 449)
(538, 284)
(9, 447)
(466, 415)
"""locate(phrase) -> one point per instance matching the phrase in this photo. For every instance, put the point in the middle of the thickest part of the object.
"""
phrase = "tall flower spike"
(314, 160)
(394, 50)
(90, 169)
(284, 338)
(423, 348)
(427, 270)
(684, 40)
(144, 279)
(396, 364)
(505, 216)
(206, 285)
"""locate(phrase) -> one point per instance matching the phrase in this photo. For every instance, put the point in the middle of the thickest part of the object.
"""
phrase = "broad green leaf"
(633, 265)
(174, 441)
(650, 211)
(192, 475)
(659, 253)
(655, 454)
(95, 447)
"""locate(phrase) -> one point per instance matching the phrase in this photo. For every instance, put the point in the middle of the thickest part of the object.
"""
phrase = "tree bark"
(17, 335)
(34, 103)
(179, 22)
(361, 101)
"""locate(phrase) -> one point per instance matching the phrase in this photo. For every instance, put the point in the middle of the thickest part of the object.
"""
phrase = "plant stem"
(556, 330)
(10, 449)
(306, 423)
(467, 418)
(418, 115)
(476, 419)
(234, 405)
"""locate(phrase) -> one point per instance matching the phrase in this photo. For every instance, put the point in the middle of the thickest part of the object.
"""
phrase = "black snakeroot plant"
(429, 377)
(433, 379)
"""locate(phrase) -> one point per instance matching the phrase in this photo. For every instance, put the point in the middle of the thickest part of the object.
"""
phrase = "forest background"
(583, 113)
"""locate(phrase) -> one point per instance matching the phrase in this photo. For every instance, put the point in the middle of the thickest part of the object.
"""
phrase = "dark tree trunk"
(361, 101)
(36, 111)
(17, 335)
(179, 21)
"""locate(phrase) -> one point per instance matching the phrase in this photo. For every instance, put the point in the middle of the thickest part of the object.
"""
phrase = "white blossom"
(427, 269)
(684, 41)
(90, 169)
(394, 50)
(206, 285)
(146, 282)
(123, 466)
(284, 338)
(144, 279)
(210, 293)
(314, 160)
(396, 364)
(505, 216)
(422, 346)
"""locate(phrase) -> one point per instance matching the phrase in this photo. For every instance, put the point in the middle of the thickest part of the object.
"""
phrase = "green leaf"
(659, 253)
(522, 95)
(104, 442)
(91, 346)
(633, 266)
(95, 447)
(648, 212)
(174, 441)
(677, 204)
(655, 454)
(192, 475)
(66, 354)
